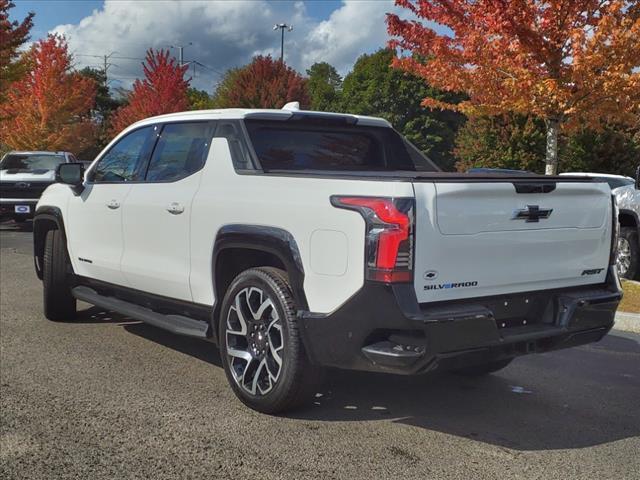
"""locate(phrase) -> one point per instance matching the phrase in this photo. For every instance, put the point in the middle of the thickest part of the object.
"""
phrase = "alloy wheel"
(623, 256)
(254, 341)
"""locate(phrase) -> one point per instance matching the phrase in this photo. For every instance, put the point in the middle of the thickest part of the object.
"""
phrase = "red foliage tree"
(12, 36)
(163, 90)
(49, 108)
(571, 63)
(264, 83)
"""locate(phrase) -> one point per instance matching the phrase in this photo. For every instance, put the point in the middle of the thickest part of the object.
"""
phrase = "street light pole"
(282, 27)
(181, 51)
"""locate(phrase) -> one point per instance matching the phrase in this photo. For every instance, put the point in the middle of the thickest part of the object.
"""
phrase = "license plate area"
(522, 310)
(22, 209)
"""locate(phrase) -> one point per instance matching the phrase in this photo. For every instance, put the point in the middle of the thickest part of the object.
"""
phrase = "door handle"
(175, 208)
(113, 204)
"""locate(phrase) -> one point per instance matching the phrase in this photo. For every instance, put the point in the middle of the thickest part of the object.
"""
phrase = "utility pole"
(107, 65)
(282, 27)
(181, 51)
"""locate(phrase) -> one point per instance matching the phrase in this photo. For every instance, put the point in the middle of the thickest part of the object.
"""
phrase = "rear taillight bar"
(388, 237)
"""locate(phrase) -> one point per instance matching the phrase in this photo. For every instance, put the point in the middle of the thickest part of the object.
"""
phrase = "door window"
(122, 162)
(181, 151)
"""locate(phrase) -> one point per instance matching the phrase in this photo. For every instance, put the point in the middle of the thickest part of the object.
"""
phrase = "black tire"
(59, 304)
(484, 368)
(629, 242)
(296, 379)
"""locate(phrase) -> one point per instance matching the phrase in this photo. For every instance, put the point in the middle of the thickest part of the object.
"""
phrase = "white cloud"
(225, 34)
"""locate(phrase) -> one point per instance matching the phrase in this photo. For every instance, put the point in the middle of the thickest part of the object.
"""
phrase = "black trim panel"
(275, 241)
(157, 303)
(49, 213)
(381, 320)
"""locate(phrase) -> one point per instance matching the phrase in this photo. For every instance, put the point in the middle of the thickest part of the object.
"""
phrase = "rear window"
(282, 145)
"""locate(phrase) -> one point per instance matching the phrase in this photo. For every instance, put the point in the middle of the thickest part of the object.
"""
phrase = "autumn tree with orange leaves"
(571, 63)
(163, 90)
(263, 83)
(49, 108)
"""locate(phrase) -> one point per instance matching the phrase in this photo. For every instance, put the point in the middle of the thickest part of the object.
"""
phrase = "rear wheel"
(484, 368)
(59, 304)
(627, 253)
(260, 345)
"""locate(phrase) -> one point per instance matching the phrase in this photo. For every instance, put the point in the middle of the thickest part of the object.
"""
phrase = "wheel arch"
(238, 247)
(46, 218)
(629, 218)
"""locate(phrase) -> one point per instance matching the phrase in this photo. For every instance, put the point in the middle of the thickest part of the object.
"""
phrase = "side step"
(174, 323)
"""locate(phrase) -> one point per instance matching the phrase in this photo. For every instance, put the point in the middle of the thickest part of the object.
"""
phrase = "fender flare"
(273, 240)
(45, 214)
(632, 214)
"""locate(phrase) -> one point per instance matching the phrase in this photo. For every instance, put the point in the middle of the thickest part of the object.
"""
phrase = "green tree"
(505, 141)
(13, 35)
(105, 102)
(373, 87)
(224, 87)
(519, 142)
(324, 84)
(105, 105)
(199, 99)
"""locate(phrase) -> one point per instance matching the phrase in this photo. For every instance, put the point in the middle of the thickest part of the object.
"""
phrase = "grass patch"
(631, 300)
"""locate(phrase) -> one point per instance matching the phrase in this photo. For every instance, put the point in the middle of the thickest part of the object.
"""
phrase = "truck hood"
(46, 176)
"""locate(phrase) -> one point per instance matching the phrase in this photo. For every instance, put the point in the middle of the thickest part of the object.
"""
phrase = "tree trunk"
(553, 125)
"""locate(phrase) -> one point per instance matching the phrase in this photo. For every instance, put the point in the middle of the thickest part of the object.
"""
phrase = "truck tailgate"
(478, 239)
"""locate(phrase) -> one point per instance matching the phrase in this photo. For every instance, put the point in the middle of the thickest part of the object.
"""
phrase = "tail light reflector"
(389, 235)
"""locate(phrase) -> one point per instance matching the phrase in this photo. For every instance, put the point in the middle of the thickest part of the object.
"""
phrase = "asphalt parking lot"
(107, 397)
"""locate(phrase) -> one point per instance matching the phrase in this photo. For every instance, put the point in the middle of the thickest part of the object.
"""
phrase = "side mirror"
(71, 174)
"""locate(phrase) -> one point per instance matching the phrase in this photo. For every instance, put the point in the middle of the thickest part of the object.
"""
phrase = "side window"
(181, 151)
(237, 144)
(121, 163)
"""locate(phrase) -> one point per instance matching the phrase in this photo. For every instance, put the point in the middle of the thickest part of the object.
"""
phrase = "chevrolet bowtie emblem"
(533, 213)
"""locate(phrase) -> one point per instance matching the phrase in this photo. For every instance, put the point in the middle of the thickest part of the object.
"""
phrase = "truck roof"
(287, 112)
(35, 152)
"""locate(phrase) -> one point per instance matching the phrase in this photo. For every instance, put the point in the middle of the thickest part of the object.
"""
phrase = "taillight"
(389, 235)
(615, 231)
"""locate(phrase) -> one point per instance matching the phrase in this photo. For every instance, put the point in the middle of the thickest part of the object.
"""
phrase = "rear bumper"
(383, 328)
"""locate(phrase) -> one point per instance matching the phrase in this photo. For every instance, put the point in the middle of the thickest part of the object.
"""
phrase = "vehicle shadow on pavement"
(559, 400)
(540, 402)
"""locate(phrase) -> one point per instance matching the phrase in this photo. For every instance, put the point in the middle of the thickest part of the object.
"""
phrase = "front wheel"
(59, 304)
(260, 345)
(627, 253)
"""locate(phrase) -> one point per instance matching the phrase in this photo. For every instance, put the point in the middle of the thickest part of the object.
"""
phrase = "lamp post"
(181, 51)
(282, 27)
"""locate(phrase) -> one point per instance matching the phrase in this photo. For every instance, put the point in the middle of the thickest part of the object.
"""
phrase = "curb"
(628, 322)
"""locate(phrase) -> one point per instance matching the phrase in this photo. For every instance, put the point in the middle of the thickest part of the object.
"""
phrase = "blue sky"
(51, 13)
(223, 34)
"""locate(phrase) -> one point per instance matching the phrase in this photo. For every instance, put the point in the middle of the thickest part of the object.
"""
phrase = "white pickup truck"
(297, 240)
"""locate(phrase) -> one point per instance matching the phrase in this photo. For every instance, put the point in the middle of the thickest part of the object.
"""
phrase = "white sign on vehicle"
(22, 209)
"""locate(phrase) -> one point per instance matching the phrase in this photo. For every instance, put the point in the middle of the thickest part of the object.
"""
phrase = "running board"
(177, 324)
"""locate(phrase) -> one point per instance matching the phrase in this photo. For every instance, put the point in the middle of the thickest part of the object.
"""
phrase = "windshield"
(30, 162)
(305, 146)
